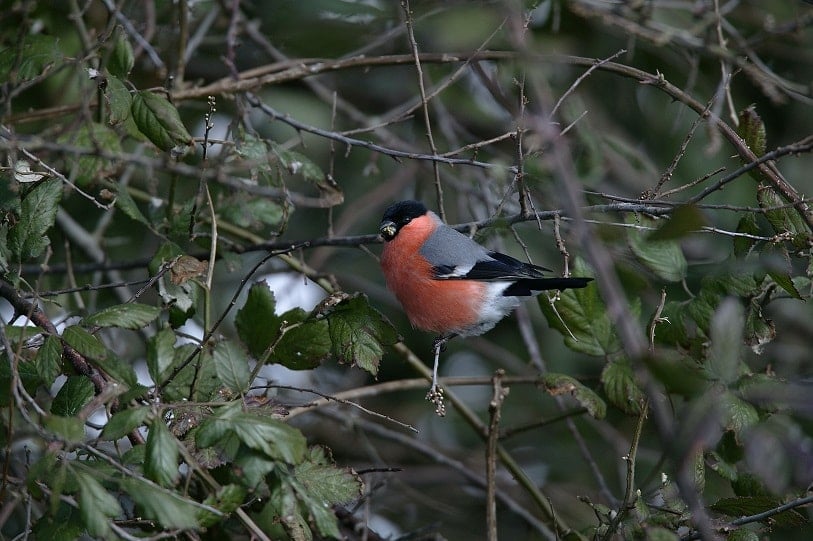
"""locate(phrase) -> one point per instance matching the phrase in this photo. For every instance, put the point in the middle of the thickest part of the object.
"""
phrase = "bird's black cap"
(398, 215)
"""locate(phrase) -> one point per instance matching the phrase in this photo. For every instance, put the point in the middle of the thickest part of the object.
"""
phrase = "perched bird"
(449, 284)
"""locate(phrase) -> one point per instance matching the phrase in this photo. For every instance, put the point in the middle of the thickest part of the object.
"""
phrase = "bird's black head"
(398, 215)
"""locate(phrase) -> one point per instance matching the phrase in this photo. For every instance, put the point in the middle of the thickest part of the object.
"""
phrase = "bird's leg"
(435, 394)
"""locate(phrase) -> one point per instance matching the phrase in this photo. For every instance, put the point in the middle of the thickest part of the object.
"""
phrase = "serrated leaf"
(226, 499)
(326, 483)
(759, 330)
(254, 466)
(159, 121)
(747, 226)
(559, 384)
(65, 524)
(75, 393)
(683, 220)
(171, 510)
(277, 440)
(282, 508)
(27, 238)
(125, 421)
(664, 258)
(119, 370)
(121, 56)
(37, 53)
(581, 317)
(305, 344)
(96, 505)
(118, 100)
(298, 164)
(747, 506)
(131, 316)
(49, 359)
(679, 375)
(257, 324)
(161, 459)
(737, 413)
(249, 211)
(621, 388)
(782, 217)
(71, 429)
(200, 373)
(84, 342)
(358, 333)
(92, 137)
(231, 366)
(726, 332)
(26, 374)
(752, 130)
(776, 260)
(128, 206)
(160, 354)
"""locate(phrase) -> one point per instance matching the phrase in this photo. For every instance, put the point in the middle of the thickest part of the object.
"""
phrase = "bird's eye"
(407, 219)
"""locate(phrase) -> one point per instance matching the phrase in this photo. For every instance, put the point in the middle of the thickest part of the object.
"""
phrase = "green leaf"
(161, 459)
(277, 440)
(85, 343)
(231, 366)
(759, 330)
(679, 375)
(171, 510)
(776, 260)
(73, 396)
(96, 505)
(118, 100)
(131, 316)
(742, 534)
(71, 429)
(737, 413)
(581, 317)
(621, 388)
(159, 121)
(257, 324)
(324, 482)
(121, 56)
(298, 164)
(92, 137)
(747, 506)
(254, 466)
(282, 508)
(726, 333)
(128, 206)
(226, 499)
(64, 525)
(783, 218)
(752, 130)
(664, 258)
(160, 354)
(358, 333)
(119, 370)
(657, 533)
(27, 238)
(252, 212)
(49, 359)
(125, 421)
(684, 219)
(37, 53)
(305, 344)
(559, 384)
(747, 226)
(200, 373)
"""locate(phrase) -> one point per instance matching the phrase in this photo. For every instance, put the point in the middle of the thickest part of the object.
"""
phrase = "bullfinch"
(449, 284)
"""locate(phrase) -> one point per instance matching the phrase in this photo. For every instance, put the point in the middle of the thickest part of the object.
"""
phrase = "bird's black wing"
(495, 267)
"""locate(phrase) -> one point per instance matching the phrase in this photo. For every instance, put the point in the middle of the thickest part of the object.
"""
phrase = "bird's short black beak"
(387, 230)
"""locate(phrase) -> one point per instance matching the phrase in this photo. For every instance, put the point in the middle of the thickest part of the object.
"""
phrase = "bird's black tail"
(531, 286)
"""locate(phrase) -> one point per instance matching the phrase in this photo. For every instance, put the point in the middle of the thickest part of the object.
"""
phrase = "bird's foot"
(435, 396)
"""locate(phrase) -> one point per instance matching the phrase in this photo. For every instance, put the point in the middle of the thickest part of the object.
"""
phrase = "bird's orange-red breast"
(430, 304)
(445, 281)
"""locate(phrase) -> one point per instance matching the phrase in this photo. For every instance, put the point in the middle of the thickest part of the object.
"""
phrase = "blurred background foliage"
(190, 194)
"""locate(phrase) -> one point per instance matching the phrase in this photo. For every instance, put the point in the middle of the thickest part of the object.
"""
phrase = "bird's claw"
(435, 396)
